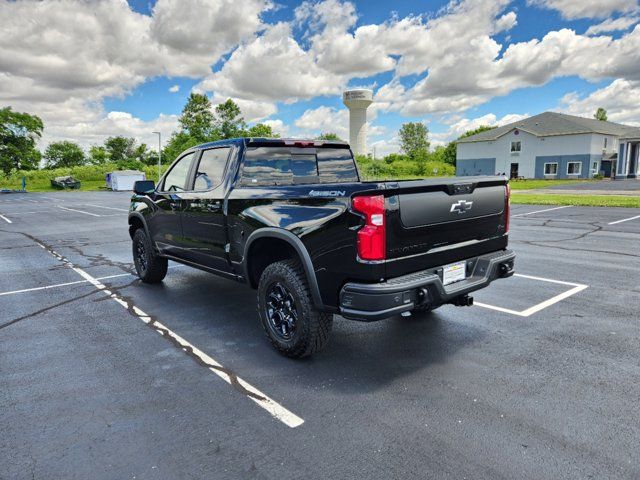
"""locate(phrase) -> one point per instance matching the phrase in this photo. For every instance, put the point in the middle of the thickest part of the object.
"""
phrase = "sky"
(93, 69)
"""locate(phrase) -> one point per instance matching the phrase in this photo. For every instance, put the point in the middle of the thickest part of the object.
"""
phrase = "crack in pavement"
(550, 243)
(46, 309)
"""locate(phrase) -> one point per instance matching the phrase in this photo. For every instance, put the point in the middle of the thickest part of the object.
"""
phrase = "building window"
(605, 143)
(595, 167)
(551, 168)
(574, 168)
(516, 147)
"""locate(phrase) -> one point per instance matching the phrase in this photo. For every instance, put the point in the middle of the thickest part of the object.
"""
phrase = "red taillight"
(372, 238)
(507, 207)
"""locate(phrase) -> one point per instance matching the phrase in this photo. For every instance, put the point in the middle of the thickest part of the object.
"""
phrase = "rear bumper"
(374, 301)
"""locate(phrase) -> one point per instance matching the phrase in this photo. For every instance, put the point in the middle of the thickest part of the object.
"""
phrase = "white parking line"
(56, 285)
(109, 208)
(540, 211)
(79, 211)
(5, 219)
(279, 412)
(623, 220)
(577, 287)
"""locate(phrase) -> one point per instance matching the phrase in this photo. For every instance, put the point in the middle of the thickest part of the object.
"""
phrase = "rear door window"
(211, 168)
(292, 165)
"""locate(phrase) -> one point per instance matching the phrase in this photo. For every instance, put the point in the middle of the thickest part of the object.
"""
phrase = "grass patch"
(92, 177)
(537, 183)
(45, 186)
(577, 200)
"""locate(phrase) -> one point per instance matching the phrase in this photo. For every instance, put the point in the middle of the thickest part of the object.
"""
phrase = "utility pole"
(159, 152)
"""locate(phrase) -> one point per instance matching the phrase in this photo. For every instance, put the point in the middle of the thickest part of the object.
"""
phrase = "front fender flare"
(140, 217)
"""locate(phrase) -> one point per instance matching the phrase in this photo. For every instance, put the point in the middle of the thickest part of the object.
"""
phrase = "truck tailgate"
(439, 221)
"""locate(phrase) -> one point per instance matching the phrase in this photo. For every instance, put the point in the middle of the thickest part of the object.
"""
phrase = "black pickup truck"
(292, 219)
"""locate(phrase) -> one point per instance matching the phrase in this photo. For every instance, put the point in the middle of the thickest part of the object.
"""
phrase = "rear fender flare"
(300, 249)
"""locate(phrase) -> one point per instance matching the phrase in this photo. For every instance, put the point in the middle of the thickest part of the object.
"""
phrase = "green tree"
(228, 121)
(178, 143)
(261, 130)
(414, 139)
(120, 148)
(146, 156)
(601, 114)
(18, 134)
(98, 155)
(64, 154)
(329, 136)
(197, 117)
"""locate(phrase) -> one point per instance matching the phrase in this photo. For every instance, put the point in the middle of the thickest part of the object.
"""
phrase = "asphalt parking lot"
(541, 379)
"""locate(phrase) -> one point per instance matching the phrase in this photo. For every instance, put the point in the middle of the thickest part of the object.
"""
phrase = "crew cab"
(292, 219)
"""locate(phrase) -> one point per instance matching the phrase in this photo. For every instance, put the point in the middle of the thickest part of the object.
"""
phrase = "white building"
(548, 145)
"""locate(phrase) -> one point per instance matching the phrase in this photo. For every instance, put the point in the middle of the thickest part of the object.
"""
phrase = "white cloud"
(205, 28)
(97, 127)
(612, 25)
(384, 147)
(325, 120)
(61, 58)
(337, 50)
(571, 9)
(459, 126)
(289, 73)
(278, 126)
(252, 110)
(618, 98)
(174, 89)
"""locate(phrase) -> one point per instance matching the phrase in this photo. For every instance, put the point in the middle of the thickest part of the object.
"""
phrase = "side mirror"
(142, 187)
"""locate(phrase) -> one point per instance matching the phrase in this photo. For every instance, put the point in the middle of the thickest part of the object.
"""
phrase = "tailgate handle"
(461, 188)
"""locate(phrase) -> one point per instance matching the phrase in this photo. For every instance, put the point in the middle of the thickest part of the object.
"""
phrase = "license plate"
(454, 273)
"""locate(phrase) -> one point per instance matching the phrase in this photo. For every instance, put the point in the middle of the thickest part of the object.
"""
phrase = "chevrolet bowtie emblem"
(461, 206)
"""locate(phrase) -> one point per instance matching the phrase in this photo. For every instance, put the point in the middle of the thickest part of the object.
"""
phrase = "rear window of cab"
(295, 166)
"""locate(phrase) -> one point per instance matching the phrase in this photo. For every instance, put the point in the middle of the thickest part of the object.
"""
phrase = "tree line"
(199, 123)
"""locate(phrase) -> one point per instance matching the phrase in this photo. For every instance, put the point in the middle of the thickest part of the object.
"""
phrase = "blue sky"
(453, 65)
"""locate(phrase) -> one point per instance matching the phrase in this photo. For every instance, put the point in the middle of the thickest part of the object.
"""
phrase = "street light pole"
(159, 152)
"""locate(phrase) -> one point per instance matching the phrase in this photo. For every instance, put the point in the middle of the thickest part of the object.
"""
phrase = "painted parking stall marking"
(108, 208)
(79, 211)
(624, 220)
(541, 211)
(58, 285)
(577, 287)
(276, 410)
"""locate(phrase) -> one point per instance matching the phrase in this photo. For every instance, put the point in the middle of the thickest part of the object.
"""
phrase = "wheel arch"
(136, 221)
(295, 246)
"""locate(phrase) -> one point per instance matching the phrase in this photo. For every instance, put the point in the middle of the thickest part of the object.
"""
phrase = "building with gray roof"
(548, 145)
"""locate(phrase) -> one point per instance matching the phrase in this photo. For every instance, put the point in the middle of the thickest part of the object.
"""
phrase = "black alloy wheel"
(281, 311)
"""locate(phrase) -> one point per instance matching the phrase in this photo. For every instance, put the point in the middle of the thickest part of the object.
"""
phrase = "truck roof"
(293, 142)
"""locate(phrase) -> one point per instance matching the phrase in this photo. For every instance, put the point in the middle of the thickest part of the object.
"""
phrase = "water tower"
(357, 101)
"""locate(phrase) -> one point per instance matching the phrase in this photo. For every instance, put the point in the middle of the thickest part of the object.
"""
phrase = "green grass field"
(577, 200)
(534, 183)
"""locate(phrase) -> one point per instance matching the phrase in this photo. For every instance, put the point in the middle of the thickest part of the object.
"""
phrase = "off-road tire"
(312, 327)
(154, 267)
